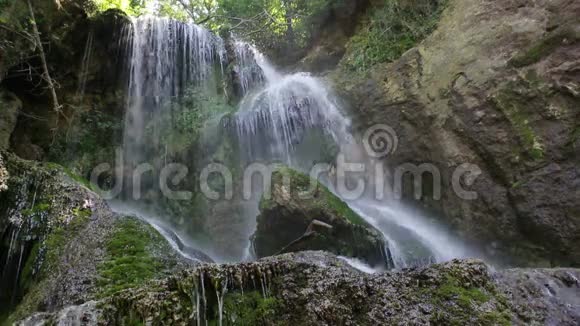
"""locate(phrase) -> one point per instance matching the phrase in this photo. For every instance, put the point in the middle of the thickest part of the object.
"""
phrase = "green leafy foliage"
(88, 141)
(130, 7)
(393, 28)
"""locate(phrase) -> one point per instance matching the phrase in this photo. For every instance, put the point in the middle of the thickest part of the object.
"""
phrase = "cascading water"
(249, 73)
(294, 119)
(273, 121)
(166, 58)
(85, 64)
(272, 125)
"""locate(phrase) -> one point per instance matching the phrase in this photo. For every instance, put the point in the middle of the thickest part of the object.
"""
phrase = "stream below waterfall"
(281, 118)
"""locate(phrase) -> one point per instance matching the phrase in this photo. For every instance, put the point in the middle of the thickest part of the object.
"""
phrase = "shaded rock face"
(289, 222)
(9, 109)
(56, 238)
(41, 211)
(336, 25)
(86, 58)
(496, 85)
(316, 288)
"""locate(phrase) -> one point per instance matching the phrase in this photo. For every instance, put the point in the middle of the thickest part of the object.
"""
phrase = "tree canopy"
(271, 24)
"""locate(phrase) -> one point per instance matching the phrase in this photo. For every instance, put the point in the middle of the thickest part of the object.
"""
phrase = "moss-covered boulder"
(294, 219)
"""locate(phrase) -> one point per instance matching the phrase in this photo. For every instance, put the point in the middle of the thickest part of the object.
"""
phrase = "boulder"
(290, 222)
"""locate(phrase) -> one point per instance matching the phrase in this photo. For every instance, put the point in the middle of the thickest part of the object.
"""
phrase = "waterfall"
(290, 118)
(249, 73)
(272, 125)
(271, 122)
(166, 57)
(85, 65)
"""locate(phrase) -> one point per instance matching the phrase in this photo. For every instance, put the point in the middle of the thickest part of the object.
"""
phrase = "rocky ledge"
(316, 288)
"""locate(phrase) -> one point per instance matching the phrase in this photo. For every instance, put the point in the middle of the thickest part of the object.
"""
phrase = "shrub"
(392, 28)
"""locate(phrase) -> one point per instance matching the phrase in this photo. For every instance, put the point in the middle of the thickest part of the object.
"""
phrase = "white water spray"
(271, 124)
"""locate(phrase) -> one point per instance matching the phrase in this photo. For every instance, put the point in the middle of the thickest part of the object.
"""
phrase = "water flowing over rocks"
(289, 222)
(496, 85)
(55, 238)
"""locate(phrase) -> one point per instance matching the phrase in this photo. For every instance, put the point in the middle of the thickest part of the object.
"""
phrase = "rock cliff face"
(497, 86)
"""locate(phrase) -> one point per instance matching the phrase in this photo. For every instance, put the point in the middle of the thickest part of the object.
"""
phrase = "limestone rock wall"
(496, 85)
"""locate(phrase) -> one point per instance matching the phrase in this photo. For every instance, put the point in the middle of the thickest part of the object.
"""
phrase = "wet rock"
(293, 221)
(494, 87)
(316, 288)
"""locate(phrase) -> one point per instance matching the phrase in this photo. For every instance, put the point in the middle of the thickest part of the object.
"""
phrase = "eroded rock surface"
(316, 288)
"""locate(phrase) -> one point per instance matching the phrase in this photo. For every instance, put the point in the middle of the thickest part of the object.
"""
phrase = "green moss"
(58, 238)
(37, 209)
(460, 304)
(342, 208)
(464, 297)
(44, 259)
(325, 200)
(544, 47)
(129, 261)
(511, 105)
(26, 276)
(71, 174)
(249, 309)
(495, 318)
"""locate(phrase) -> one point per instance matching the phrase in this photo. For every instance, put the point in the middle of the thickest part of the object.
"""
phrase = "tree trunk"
(46, 74)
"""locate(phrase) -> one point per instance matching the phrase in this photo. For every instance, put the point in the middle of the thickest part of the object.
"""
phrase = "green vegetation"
(44, 260)
(468, 304)
(512, 106)
(90, 140)
(189, 115)
(250, 308)
(129, 261)
(131, 7)
(452, 290)
(394, 27)
(495, 318)
(80, 180)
